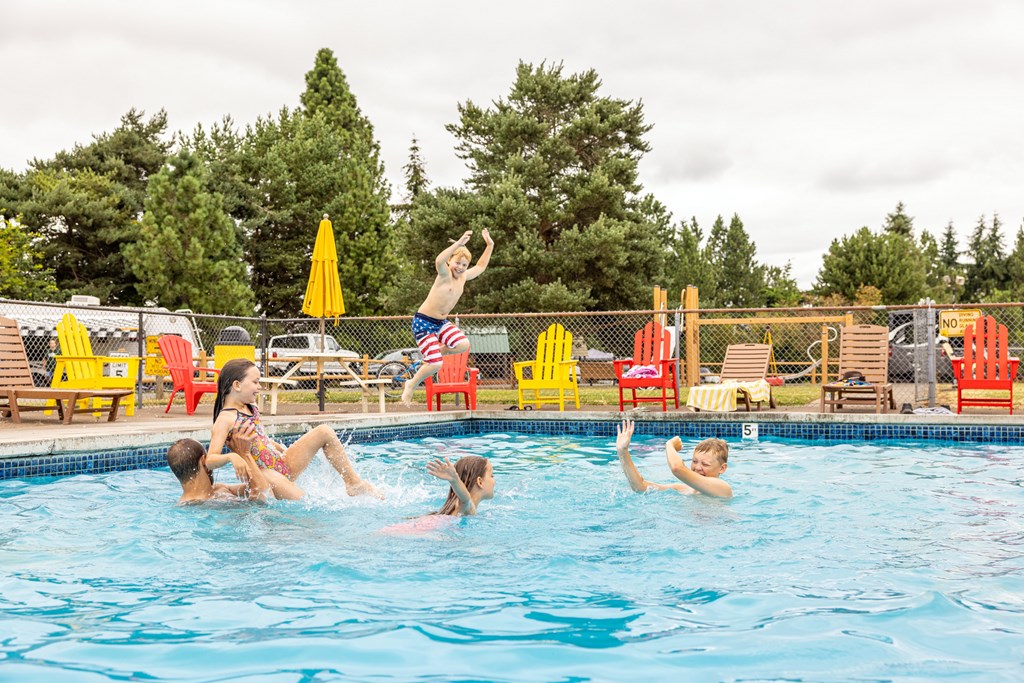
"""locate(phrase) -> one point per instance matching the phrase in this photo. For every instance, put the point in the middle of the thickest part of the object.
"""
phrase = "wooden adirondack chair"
(16, 383)
(177, 353)
(454, 377)
(651, 347)
(747, 363)
(864, 349)
(77, 367)
(222, 353)
(985, 365)
(552, 370)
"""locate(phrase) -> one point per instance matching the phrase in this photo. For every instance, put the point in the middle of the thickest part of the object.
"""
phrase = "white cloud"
(807, 119)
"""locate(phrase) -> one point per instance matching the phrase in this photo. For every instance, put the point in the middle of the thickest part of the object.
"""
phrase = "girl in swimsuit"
(238, 388)
(471, 479)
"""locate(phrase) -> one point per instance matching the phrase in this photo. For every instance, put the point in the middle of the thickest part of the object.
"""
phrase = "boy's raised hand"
(443, 470)
(464, 239)
(624, 434)
(486, 234)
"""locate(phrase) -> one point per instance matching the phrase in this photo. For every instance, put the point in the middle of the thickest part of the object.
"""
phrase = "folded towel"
(642, 371)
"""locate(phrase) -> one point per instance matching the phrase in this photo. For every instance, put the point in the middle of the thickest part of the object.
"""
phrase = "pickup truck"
(286, 345)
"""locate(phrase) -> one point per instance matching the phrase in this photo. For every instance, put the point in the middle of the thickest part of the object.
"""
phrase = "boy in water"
(187, 460)
(429, 326)
(710, 460)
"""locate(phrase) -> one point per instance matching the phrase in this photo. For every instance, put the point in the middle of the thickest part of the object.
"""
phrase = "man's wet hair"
(184, 457)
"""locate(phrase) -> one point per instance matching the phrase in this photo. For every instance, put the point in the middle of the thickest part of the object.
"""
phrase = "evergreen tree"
(553, 176)
(933, 267)
(781, 289)
(188, 255)
(23, 274)
(949, 251)
(741, 279)
(301, 168)
(690, 265)
(416, 182)
(899, 223)
(889, 262)
(86, 203)
(327, 93)
(1015, 269)
(986, 270)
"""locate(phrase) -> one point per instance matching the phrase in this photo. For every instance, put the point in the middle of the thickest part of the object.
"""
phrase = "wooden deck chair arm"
(473, 374)
(621, 366)
(568, 362)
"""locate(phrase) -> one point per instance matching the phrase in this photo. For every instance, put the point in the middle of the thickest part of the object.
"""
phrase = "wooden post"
(660, 304)
(691, 323)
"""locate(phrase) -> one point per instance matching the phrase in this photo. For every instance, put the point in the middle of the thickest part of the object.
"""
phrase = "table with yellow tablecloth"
(721, 398)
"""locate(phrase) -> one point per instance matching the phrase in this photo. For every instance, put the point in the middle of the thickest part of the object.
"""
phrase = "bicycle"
(399, 373)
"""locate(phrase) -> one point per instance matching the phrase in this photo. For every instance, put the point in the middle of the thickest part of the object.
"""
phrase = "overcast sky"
(808, 118)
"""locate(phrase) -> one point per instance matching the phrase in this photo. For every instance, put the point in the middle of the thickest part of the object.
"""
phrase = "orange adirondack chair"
(177, 353)
(985, 365)
(451, 379)
(651, 347)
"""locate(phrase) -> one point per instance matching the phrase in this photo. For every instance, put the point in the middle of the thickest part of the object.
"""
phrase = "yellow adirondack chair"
(553, 370)
(79, 368)
(222, 353)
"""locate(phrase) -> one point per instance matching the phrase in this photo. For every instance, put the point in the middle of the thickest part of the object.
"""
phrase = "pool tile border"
(828, 431)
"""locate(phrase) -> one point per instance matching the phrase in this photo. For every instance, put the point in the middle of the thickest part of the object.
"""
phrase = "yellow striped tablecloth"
(721, 398)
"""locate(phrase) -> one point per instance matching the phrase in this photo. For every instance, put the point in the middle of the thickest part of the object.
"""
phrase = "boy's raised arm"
(485, 258)
(711, 486)
(624, 435)
(441, 262)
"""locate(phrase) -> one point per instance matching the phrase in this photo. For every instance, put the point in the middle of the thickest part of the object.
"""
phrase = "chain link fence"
(805, 341)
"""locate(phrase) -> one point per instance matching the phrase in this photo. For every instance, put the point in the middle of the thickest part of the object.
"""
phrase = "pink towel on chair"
(642, 371)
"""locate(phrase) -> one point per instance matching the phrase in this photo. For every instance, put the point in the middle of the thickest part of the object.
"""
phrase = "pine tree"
(899, 223)
(1015, 268)
(986, 271)
(416, 182)
(23, 275)
(888, 261)
(188, 254)
(552, 173)
(86, 203)
(949, 251)
(741, 279)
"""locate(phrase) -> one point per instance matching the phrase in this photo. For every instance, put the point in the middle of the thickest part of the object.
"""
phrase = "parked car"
(286, 345)
(903, 347)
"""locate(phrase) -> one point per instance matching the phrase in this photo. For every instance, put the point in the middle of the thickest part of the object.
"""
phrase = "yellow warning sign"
(154, 359)
(952, 323)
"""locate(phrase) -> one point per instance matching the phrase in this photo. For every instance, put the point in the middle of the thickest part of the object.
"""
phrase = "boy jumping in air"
(430, 327)
(710, 460)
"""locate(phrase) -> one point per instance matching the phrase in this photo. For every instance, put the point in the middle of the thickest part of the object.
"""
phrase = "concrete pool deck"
(44, 435)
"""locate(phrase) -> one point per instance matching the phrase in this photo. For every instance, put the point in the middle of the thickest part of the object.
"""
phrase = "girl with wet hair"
(238, 389)
(471, 479)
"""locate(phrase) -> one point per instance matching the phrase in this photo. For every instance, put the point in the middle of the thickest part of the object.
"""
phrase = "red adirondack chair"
(651, 347)
(177, 354)
(986, 364)
(451, 379)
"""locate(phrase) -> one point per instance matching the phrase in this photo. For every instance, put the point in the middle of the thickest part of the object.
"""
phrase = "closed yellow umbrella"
(323, 292)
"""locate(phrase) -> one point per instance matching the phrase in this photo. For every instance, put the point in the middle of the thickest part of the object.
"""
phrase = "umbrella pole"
(321, 367)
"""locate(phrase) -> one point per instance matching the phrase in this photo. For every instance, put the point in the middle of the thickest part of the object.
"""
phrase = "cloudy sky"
(808, 118)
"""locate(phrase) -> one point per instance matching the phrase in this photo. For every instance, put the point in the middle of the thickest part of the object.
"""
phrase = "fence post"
(691, 321)
(679, 356)
(142, 361)
(931, 355)
(263, 343)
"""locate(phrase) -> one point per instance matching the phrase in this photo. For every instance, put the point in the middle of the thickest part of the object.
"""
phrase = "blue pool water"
(858, 562)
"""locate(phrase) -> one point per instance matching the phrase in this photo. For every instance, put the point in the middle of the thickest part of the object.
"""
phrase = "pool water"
(857, 562)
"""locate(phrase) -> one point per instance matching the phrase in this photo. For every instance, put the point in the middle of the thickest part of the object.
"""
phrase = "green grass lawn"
(604, 395)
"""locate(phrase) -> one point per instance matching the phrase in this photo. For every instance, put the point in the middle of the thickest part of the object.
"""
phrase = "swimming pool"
(873, 561)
